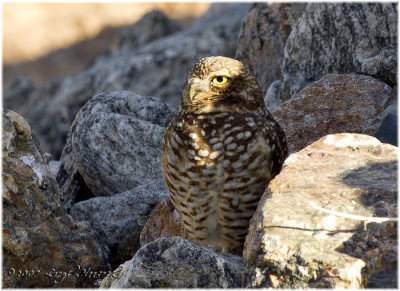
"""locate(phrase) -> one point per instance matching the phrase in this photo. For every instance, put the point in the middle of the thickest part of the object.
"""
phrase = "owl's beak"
(197, 86)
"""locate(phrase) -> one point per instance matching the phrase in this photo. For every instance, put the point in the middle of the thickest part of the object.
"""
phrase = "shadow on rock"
(379, 184)
(378, 180)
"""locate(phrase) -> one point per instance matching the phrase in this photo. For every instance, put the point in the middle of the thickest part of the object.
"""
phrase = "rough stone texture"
(337, 38)
(164, 221)
(294, 245)
(53, 165)
(383, 65)
(158, 68)
(110, 278)
(334, 104)
(263, 36)
(37, 233)
(151, 26)
(114, 145)
(121, 218)
(177, 263)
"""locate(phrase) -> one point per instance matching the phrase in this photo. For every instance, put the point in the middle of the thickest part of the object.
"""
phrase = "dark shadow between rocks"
(387, 132)
(380, 192)
(83, 192)
(79, 190)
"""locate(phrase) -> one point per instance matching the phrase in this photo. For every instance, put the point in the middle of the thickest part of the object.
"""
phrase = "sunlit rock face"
(292, 243)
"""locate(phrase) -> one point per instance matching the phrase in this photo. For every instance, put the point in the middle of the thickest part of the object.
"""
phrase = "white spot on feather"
(203, 153)
(231, 146)
(213, 140)
(218, 146)
(228, 140)
(214, 155)
(193, 135)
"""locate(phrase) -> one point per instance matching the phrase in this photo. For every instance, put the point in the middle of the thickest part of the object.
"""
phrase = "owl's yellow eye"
(220, 80)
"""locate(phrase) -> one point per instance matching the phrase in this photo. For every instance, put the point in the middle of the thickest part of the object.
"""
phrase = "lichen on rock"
(42, 245)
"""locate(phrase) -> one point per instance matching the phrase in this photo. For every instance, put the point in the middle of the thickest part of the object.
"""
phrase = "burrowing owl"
(220, 152)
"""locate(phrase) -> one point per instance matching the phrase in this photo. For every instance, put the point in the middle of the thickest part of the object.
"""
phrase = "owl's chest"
(220, 143)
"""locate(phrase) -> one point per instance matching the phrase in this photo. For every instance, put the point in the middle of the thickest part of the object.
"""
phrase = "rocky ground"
(84, 202)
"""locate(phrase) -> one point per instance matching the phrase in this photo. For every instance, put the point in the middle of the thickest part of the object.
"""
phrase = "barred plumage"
(220, 152)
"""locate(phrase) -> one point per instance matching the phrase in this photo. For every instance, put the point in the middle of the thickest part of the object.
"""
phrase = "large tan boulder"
(307, 231)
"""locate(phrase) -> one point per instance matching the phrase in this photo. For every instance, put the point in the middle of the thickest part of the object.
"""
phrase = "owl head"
(221, 84)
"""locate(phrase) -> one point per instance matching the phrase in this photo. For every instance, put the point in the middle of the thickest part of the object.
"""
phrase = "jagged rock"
(177, 263)
(336, 38)
(334, 104)
(383, 65)
(164, 221)
(22, 156)
(151, 26)
(292, 244)
(263, 36)
(38, 235)
(158, 68)
(113, 146)
(121, 218)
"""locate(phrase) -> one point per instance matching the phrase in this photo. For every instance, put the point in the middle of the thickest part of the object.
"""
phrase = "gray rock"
(293, 243)
(383, 65)
(273, 97)
(177, 263)
(113, 146)
(263, 36)
(120, 219)
(18, 93)
(158, 68)
(53, 165)
(37, 105)
(336, 38)
(151, 26)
